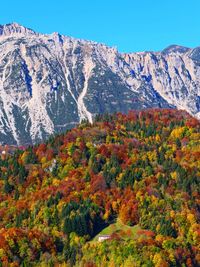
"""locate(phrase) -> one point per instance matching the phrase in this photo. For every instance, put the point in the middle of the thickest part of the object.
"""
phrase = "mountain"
(134, 177)
(49, 83)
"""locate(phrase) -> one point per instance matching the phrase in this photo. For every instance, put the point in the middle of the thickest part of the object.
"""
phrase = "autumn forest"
(136, 174)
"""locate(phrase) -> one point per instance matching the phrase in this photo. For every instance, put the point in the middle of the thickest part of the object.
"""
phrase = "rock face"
(49, 83)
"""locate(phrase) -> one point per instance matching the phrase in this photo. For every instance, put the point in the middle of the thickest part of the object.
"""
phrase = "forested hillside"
(141, 169)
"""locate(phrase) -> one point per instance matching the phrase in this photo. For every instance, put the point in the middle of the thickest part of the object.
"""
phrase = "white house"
(102, 238)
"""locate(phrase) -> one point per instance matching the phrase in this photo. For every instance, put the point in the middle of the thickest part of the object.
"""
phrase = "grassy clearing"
(118, 227)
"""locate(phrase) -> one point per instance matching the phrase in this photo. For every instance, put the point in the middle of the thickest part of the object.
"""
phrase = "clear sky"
(131, 25)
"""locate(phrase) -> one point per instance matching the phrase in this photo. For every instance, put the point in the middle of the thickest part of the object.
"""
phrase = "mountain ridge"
(49, 83)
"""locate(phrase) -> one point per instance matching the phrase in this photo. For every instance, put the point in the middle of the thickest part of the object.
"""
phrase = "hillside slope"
(142, 169)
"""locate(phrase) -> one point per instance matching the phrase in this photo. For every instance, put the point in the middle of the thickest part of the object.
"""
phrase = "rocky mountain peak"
(15, 29)
(175, 49)
(49, 83)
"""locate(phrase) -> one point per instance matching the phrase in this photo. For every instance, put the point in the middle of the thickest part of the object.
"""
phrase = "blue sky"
(128, 24)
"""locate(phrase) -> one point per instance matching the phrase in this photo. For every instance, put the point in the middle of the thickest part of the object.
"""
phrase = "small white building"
(102, 238)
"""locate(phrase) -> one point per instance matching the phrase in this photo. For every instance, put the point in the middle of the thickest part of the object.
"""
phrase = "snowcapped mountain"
(49, 83)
